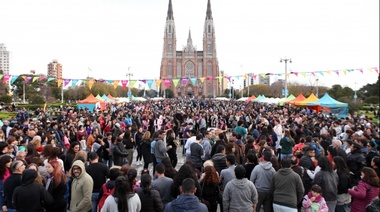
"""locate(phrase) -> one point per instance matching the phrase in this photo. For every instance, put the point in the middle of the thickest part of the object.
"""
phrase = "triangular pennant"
(193, 80)
(132, 83)
(6, 77)
(167, 82)
(375, 68)
(237, 77)
(351, 70)
(34, 79)
(360, 69)
(158, 83)
(175, 82)
(66, 82)
(228, 78)
(109, 81)
(123, 83)
(312, 73)
(74, 82)
(337, 72)
(91, 83)
(329, 72)
(369, 69)
(220, 78)
(209, 78)
(345, 71)
(295, 73)
(254, 76)
(246, 76)
(115, 83)
(149, 83)
(202, 79)
(1, 76)
(79, 82)
(184, 81)
(50, 79)
(304, 74)
(143, 81)
(24, 77)
(321, 73)
(263, 75)
(14, 77)
(59, 82)
(27, 79)
(42, 78)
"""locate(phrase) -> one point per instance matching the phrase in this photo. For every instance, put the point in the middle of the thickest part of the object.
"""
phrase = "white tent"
(157, 98)
(222, 98)
(243, 99)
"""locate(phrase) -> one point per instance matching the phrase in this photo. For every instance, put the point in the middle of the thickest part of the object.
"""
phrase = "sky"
(108, 36)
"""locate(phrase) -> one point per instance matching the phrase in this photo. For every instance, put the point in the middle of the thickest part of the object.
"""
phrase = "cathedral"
(195, 71)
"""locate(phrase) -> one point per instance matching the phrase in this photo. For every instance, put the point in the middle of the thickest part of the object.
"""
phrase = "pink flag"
(28, 79)
(124, 83)
(167, 82)
(360, 69)
(66, 82)
(184, 81)
(375, 68)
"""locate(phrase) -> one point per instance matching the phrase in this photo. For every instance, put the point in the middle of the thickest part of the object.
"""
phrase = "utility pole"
(129, 74)
(286, 74)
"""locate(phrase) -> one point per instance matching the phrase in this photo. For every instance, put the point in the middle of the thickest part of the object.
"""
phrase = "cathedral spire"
(189, 40)
(170, 11)
(208, 13)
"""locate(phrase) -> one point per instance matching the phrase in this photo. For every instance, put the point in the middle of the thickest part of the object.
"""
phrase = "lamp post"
(317, 87)
(286, 74)
(355, 96)
(129, 74)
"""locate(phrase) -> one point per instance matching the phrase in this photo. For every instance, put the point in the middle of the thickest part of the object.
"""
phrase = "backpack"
(106, 193)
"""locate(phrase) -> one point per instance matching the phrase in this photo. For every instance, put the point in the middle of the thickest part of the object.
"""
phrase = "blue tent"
(330, 105)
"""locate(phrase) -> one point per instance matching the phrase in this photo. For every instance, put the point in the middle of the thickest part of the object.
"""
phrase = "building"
(190, 64)
(264, 80)
(4, 59)
(55, 70)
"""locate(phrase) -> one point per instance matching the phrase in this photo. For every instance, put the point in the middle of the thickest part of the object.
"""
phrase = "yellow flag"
(202, 79)
(59, 82)
(91, 83)
(115, 83)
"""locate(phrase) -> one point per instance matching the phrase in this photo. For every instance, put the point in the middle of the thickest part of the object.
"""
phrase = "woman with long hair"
(172, 152)
(128, 144)
(150, 198)
(31, 152)
(37, 142)
(287, 143)
(210, 187)
(123, 199)
(5, 164)
(70, 154)
(81, 132)
(365, 191)
(145, 149)
(56, 186)
(39, 179)
(169, 169)
(186, 171)
(344, 199)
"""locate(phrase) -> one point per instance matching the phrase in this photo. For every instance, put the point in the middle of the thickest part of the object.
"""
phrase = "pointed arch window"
(209, 29)
(170, 70)
(170, 28)
(179, 69)
(200, 69)
(209, 69)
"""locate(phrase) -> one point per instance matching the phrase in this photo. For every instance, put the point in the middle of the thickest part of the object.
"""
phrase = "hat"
(117, 125)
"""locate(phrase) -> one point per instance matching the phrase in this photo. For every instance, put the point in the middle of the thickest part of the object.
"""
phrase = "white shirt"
(188, 143)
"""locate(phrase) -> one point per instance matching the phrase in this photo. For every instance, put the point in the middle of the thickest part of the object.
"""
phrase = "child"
(83, 144)
(313, 201)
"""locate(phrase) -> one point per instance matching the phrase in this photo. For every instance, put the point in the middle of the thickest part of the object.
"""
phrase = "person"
(251, 163)
(210, 187)
(308, 160)
(99, 173)
(207, 145)
(162, 184)
(287, 143)
(119, 152)
(108, 188)
(196, 152)
(240, 194)
(172, 152)
(219, 158)
(128, 145)
(5, 164)
(375, 164)
(328, 180)
(365, 191)
(241, 130)
(145, 149)
(34, 194)
(186, 201)
(160, 148)
(261, 177)
(107, 154)
(228, 173)
(355, 162)
(71, 152)
(344, 199)
(81, 188)
(313, 201)
(286, 188)
(137, 137)
(190, 140)
(186, 171)
(12, 182)
(123, 199)
(150, 198)
(56, 186)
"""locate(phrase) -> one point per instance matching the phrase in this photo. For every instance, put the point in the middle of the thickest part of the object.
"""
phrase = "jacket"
(287, 188)
(9, 186)
(329, 184)
(150, 202)
(239, 195)
(262, 175)
(119, 153)
(320, 201)
(58, 193)
(219, 160)
(35, 194)
(81, 190)
(362, 195)
(186, 203)
(160, 149)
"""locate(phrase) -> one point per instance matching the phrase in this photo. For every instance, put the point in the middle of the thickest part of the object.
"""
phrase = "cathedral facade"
(196, 70)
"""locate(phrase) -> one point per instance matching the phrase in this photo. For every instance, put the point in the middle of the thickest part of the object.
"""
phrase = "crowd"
(238, 157)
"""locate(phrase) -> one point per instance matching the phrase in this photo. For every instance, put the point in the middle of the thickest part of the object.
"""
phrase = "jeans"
(331, 205)
(110, 161)
(281, 208)
(11, 210)
(94, 200)
(285, 155)
(265, 200)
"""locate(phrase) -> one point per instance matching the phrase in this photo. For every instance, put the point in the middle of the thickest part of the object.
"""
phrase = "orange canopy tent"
(91, 103)
(250, 99)
(299, 98)
(111, 97)
(311, 98)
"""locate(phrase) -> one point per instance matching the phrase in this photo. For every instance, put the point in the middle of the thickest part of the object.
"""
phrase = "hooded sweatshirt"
(32, 192)
(81, 189)
(262, 176)
(239, 195)
(186, 203)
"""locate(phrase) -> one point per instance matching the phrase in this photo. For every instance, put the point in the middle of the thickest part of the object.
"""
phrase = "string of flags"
(176, 81)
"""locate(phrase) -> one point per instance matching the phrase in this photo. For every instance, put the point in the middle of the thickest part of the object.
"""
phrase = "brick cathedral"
(190, 65)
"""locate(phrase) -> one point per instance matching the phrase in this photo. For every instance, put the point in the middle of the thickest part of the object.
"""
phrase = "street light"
(355, 96)
(317, 86)
(129, 74)
(286, 74)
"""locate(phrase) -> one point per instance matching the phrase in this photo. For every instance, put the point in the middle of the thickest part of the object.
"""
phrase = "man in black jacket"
(11, 183)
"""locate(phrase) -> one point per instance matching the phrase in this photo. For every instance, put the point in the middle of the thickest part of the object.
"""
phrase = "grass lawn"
(7, 115)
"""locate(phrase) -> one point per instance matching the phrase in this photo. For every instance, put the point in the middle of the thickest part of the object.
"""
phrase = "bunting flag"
(132, 83)
(228, 78)
(34, 79)
(45, 107)
(6, 78)
(28, 79)
(24, 77)
(329, 72)
(345, 71)
(149, 83)
(167, 82)
(74, 82)
(193, 80)
(220, 78)
(1, 76)
(321, 73)
(123, 84)
(295, 73)
(66, 82)
(254, 77)
(42, 78)
(374, 68)
(263, 75)
(158, 83)
(370, 69)
(209, 78)
(312, 73)
(351, 70)
(304, 74)
(109, 81)
(175, 82)
(337, 72)
(360, 69)
(14, 78)
(91, 83)
(59, 82)
(51, 79)
(115, 83)
(245, 76)
(237, 77)
(184, 81)
(143, 81)
(202, 79)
